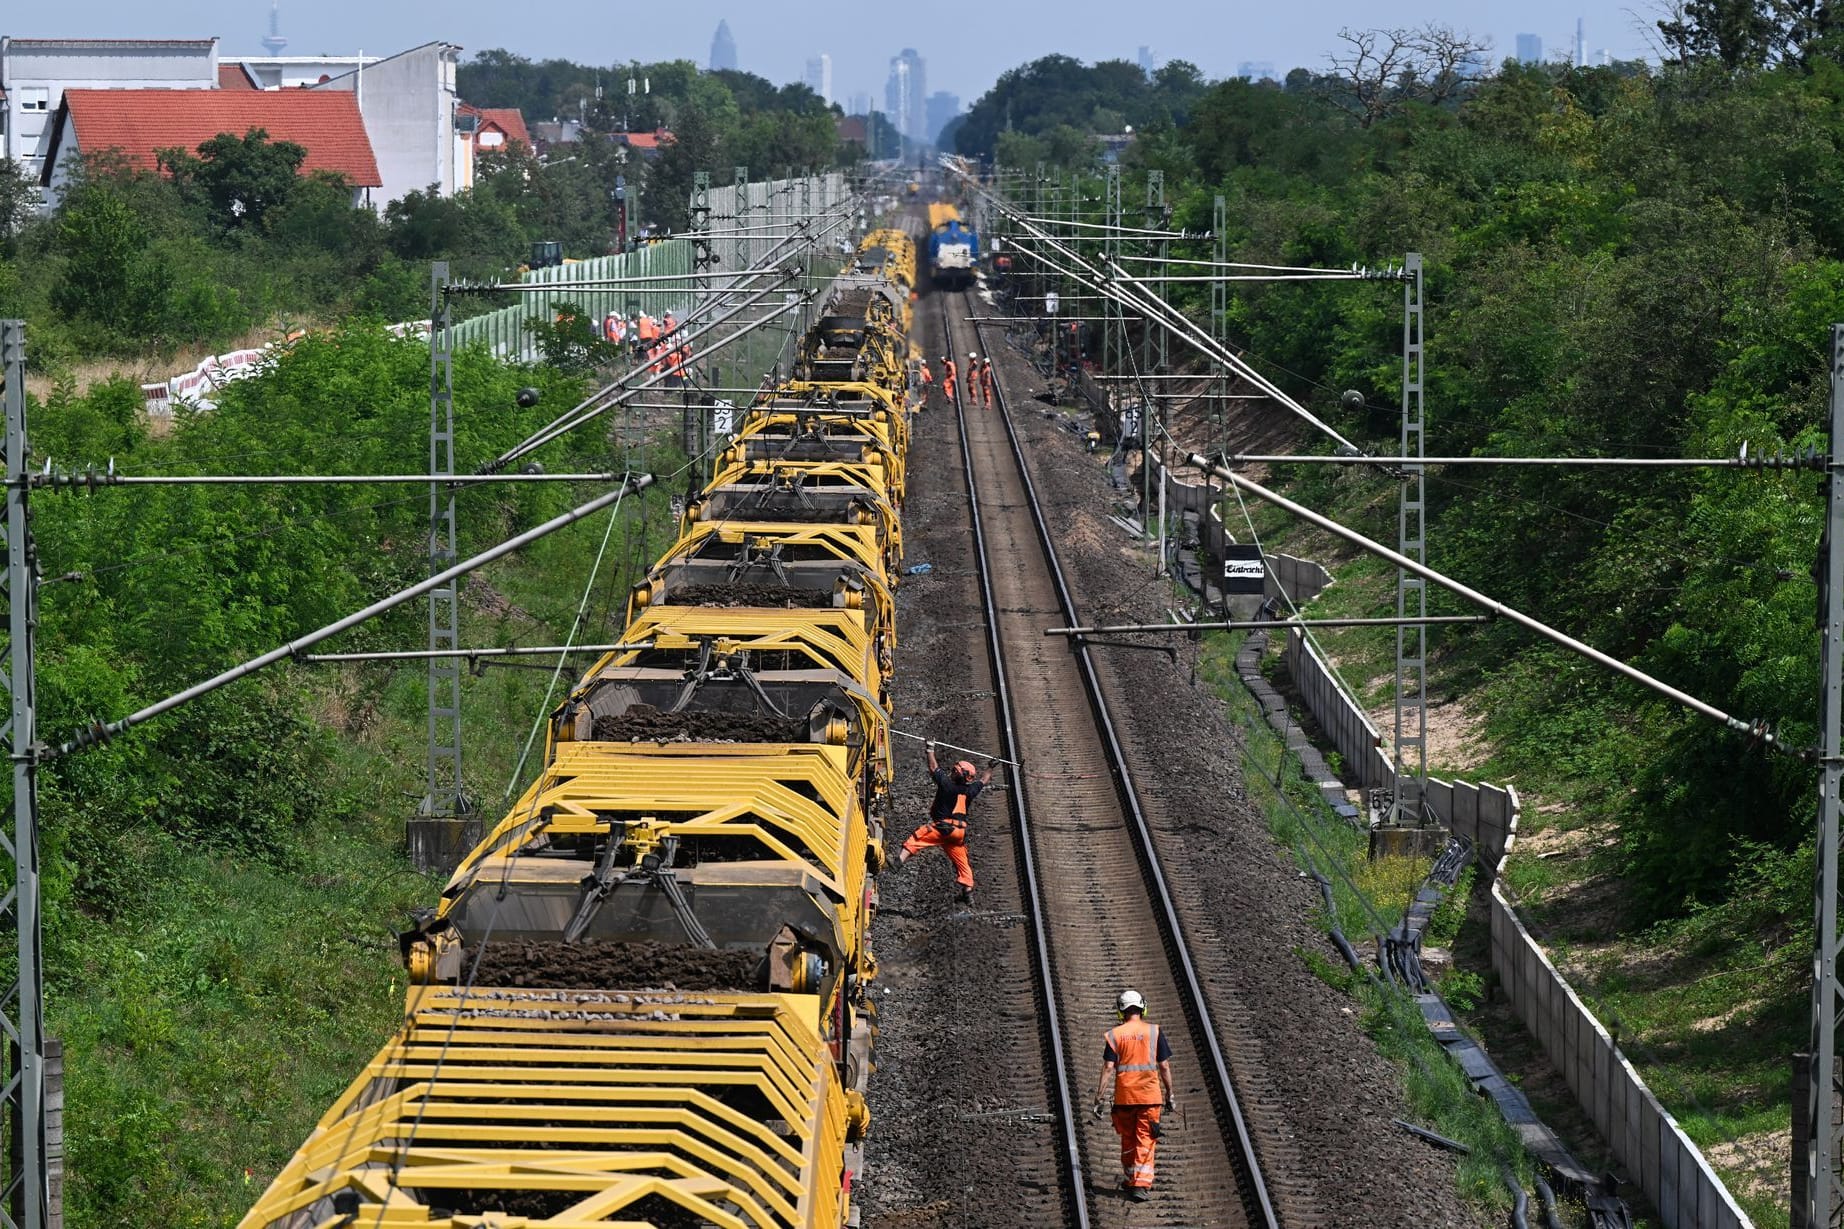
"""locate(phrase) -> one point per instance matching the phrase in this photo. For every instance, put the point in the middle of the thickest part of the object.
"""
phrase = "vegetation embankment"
(1622, 261)
(221, 884)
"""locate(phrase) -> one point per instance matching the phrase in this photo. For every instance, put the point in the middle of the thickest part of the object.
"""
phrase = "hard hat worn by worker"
(1130, 1000)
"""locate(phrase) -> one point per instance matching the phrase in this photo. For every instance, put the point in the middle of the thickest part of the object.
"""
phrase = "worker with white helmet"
(1136, 1063)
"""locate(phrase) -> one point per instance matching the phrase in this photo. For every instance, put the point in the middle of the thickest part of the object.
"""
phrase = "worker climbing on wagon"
(955, 790)
(948, 372)
(1136, 1065)
(986, 381)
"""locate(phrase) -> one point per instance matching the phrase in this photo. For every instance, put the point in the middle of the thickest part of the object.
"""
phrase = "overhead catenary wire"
(99, 732)
(1754, 730)
(1118, 284)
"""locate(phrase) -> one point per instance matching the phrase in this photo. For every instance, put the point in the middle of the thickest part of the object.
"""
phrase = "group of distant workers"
(659, 344)
(1135, 1088)
(979, 379)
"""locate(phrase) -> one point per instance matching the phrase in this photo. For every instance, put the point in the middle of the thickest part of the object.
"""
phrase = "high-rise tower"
(905, 93)
(274, 42)
(723, 48)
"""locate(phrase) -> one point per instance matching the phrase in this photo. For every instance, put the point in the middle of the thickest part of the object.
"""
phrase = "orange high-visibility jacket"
(1136, 1063)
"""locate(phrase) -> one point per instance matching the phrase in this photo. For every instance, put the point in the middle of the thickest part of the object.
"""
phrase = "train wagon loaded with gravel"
(643, 998)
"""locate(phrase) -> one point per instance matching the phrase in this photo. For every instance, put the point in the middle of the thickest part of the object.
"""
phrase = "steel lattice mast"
(22, 1100)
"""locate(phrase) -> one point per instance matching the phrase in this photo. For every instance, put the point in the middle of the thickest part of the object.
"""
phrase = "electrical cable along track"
(1104, 915)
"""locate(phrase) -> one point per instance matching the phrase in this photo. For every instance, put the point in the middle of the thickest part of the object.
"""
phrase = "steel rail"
(1197, 1008)
(1066, 1104)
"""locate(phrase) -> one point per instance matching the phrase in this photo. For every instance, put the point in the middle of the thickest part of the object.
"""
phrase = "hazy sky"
(966, 46)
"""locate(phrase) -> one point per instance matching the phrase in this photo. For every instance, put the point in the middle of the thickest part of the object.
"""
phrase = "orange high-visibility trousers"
(954, 846)
(947, 386)
(1134, 1124)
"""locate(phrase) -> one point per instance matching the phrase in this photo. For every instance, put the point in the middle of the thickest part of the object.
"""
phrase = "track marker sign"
(1243, 568)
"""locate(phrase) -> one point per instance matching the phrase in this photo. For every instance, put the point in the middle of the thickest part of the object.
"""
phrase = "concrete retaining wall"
(1648, 1142)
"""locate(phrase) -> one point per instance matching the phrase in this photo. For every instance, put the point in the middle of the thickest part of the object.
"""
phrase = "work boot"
(1140, 1194)
(966, 897)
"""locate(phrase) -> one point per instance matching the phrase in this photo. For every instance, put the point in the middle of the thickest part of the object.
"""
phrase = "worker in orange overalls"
(986, 380)
(1136, 1063)
(946, 828)
(973, 377)
(948, 372)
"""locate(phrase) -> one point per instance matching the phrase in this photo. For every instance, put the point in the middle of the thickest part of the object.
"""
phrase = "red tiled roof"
(234, 77)
(508, 120)
(138, 122)
(648, 140)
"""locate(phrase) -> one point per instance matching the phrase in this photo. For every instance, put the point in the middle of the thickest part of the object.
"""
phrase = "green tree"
(108, 278)
(240, 178)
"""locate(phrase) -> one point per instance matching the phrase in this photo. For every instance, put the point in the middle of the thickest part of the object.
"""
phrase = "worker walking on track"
(986, 381)
(1136, 1064)
(973, 377)
(948, 372)
(955, 790)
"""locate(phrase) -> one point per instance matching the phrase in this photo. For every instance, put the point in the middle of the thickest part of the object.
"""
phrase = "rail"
(1215, 1067)
(1033, 884)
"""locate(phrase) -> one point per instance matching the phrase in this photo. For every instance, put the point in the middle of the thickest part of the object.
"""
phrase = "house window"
(489, 139)
(34, 98)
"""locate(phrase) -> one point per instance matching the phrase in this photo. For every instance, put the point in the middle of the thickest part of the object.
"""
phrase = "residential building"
(819, 76)
(723, 48)
(645, 145)
(35, 73)
(137, 123)
(940, 111)
(905, 92)
(409, 107)
(1530, 49)
(489, 130)
(279, 72)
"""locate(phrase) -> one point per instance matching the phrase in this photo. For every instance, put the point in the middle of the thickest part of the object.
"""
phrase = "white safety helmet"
(1130, 1000)
(971, 354)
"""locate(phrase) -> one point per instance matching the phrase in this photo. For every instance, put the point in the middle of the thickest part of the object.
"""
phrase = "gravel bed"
(1310, 1076)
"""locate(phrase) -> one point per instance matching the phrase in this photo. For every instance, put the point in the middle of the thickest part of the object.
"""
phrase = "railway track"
(1096, 898)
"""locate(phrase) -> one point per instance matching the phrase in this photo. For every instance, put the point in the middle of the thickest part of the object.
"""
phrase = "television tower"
(274, 42)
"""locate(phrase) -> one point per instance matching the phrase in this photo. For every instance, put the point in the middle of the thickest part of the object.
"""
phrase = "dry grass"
(148, 368)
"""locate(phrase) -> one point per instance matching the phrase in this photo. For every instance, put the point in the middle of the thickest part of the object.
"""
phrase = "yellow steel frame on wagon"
(880, 436)
(832, 638)
(869, 485)
(859, 543)
(753, 793)
(597, 1099)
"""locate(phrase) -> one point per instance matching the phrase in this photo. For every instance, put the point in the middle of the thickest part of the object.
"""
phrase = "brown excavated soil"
(604, 965)
(644, 723)
(781, 596)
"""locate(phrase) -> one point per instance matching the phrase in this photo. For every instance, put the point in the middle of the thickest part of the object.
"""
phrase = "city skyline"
(774, 41)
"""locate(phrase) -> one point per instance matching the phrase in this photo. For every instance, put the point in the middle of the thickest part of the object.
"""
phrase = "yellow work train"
(643, 998)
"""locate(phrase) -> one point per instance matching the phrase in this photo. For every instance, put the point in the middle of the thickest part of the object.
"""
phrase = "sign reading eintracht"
(1243, 569)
